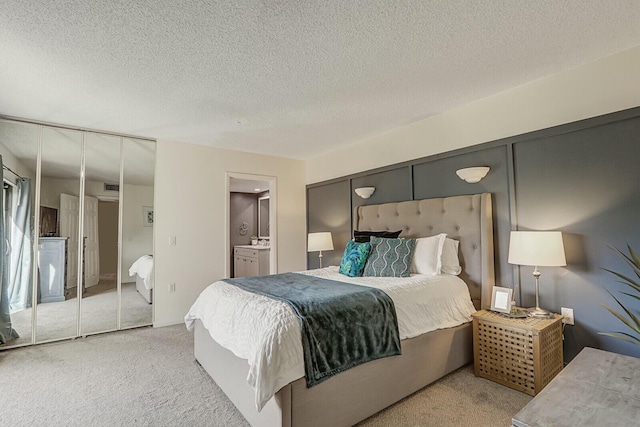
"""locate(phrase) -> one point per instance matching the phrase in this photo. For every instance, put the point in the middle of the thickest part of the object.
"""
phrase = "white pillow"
(450, 259)
(427, 255)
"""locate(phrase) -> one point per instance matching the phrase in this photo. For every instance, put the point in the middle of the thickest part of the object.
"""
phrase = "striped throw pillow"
(390, 257)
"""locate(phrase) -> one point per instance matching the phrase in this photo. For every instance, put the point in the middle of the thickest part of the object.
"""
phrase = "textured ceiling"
(288, 78)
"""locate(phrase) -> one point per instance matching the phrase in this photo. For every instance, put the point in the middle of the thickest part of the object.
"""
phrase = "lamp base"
(539, 313)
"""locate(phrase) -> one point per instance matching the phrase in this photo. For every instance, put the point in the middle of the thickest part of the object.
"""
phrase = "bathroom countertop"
(257, 247)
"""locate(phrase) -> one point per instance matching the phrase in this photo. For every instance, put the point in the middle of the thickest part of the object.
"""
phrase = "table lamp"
(320, 242)
(538, 249)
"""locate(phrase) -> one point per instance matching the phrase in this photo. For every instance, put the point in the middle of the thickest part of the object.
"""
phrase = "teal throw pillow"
(390, 257)
(354, 258)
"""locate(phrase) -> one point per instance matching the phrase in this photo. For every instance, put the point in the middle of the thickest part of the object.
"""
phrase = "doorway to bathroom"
(251, 226)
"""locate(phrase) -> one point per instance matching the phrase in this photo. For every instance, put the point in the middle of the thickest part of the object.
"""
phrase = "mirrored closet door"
(77, 228)
(100, 236)
(58, 228)
(136, 258)
(19, 151)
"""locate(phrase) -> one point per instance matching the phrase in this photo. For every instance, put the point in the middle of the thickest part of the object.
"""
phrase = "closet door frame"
(36, 231)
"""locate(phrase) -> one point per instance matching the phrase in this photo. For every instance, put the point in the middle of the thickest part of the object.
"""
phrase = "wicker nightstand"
(524, 354)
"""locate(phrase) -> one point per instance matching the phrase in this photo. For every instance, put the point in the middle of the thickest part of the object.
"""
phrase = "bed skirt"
(345, 399)
(142, 290)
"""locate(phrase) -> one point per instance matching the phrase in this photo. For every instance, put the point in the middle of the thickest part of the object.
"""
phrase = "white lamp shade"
(320, 242)
(537, 248)
(473, 175)
(365, 192)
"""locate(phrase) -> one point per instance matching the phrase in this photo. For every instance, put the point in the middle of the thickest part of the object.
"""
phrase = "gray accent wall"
(391, 186)
(328, 209)
(580, 178)
(437, 178)
(585, 183)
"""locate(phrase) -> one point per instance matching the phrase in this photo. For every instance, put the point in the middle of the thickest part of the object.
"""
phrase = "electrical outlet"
(172, 287)
(567, 314)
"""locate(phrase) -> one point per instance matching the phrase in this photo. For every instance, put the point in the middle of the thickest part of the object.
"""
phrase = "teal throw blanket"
(343, 325)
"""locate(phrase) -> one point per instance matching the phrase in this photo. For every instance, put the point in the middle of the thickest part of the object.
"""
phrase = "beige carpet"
(148, 377)
(57, 320)
(99, 309)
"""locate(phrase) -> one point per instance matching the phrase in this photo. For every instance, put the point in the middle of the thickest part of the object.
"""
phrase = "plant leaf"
(630, 320)
(636, 258)
(621, 336)
(633, 317)
(627, 280)
(631, 295)
(632, 260)
(630, 323)
(620, 317)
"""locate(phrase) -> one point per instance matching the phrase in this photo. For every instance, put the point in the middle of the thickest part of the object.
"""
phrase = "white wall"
(191, 205)
(12, 162)
(608, 85)
(137, 240)
(51, 188)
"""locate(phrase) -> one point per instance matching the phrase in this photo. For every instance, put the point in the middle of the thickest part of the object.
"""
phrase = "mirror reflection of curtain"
(7, 333)
(20, 256)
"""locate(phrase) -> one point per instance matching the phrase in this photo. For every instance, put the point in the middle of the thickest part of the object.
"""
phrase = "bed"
(360, 392)
(142, 268)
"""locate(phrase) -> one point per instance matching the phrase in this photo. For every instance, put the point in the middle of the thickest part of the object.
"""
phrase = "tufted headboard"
(464, 218)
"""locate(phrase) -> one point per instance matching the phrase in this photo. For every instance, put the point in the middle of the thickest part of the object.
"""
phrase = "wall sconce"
(365, 192)
(473, 175)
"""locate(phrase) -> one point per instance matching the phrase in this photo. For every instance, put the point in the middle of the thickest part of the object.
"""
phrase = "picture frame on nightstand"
(501, 299)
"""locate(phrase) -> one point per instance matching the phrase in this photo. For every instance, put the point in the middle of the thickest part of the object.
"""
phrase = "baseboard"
(167, 323)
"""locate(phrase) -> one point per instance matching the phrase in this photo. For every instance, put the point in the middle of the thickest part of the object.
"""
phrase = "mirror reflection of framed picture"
(147, 216)
(48, 221)
(501, 299)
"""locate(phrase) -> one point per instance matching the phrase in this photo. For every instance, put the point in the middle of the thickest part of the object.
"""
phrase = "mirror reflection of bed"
(117, 189)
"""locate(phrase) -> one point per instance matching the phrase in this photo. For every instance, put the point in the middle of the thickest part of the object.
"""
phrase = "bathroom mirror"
(263, 217)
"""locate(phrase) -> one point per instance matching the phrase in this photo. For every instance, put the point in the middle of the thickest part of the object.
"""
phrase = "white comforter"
(143, 267)
(267, 333)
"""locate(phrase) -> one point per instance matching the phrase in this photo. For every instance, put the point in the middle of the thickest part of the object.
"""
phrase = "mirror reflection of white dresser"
(52, 261)
(251, 260)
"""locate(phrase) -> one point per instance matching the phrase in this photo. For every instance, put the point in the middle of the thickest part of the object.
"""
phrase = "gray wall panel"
(437, 178)
(586, 184)
(391, 186)
(328, 210)
(581, 178)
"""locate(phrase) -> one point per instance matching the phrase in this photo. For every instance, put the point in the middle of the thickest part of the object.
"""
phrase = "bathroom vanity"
(251, 260)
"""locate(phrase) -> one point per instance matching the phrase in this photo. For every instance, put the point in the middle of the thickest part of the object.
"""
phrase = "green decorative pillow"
(390, 257)
(354, 258)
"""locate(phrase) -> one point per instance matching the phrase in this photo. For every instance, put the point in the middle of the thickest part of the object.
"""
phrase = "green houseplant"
(629, 318)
